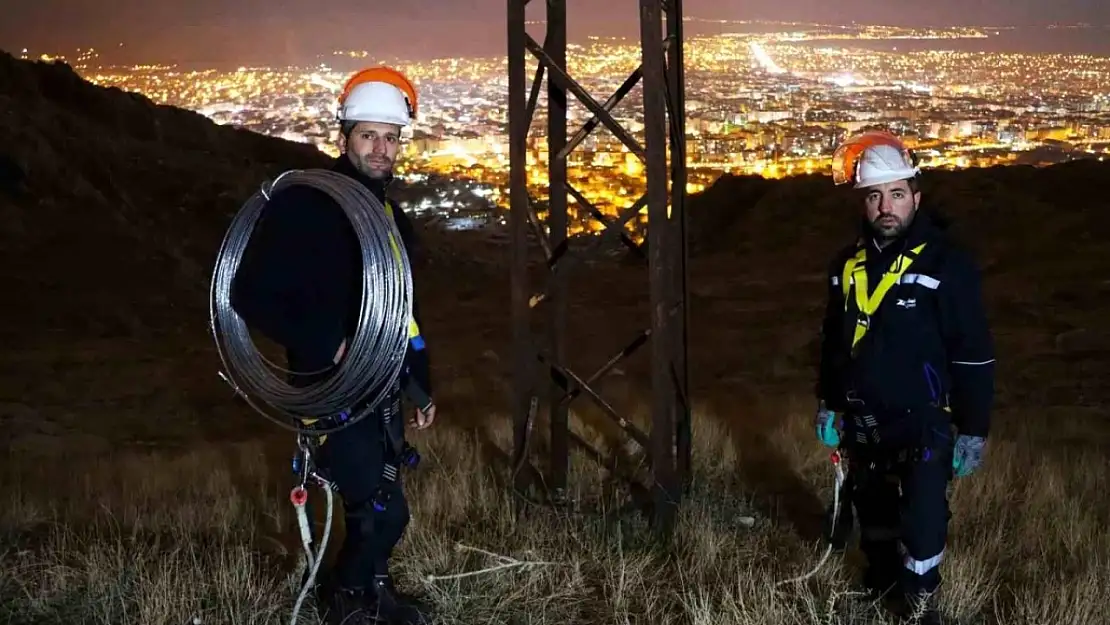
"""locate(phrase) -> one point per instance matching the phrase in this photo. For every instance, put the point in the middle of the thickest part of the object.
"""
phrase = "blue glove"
(968, 454)
(826, 426)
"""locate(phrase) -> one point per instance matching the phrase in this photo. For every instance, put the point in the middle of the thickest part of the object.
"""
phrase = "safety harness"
(401, 453)
(398, 452)
(855, 272)
(854, 279)
(415, 337)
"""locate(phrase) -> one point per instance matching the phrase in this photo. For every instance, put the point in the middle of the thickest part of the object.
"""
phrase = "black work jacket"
(928, 344)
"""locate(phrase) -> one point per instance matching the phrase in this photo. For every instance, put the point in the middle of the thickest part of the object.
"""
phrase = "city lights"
(769, 104)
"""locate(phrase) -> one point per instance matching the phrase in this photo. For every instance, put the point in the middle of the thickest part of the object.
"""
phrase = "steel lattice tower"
(661, 70)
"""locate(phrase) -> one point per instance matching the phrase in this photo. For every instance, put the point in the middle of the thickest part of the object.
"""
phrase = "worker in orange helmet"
(374, 106)
(906, 375)
(301, 285)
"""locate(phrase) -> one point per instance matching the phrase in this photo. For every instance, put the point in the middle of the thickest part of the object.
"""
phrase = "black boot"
(393, 607)
(341, 606)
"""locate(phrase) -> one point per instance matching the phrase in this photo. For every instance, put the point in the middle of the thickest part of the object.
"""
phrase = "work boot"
(343, 606)
(393, 607)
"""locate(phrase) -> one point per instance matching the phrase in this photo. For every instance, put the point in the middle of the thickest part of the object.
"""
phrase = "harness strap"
(855, 271)
(415, 336)
(394, 449)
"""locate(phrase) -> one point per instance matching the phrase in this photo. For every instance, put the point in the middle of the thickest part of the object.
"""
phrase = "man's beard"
(374, 168)
(890, 227)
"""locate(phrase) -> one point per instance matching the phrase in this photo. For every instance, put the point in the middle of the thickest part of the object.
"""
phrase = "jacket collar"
(921, 229)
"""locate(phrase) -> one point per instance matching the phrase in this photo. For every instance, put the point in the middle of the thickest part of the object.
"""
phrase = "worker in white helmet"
(376, 104)
(301, 285)
(906, 376)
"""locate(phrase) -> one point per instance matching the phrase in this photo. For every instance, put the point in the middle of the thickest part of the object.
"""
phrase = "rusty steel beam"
(612, 229)
(676, 107)
(565, 379)
(662, 268)
(610, 104)
(559, 255)
(557, 225)
(611, 464)
(563, 79)
(523, 358)
(611, 364)
(598, 215)
(667, 444)
(534, 93)
(538, 231)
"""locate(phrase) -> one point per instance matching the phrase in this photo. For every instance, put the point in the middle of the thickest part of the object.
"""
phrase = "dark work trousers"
(901, 502)
(354, 459)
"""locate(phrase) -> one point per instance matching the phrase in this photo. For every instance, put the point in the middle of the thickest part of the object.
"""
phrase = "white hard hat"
(882, 164)
(378, 94)
(871, 158)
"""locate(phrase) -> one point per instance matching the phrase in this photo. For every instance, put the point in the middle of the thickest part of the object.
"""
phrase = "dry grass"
(159, 538)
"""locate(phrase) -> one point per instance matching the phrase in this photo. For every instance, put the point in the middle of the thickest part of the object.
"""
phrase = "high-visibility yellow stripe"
(414, 329)
(855, 270)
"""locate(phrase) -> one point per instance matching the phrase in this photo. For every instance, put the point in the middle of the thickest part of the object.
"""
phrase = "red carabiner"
(299, 496)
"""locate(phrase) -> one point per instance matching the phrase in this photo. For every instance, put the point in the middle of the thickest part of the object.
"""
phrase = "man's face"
(891, 207)
(372, 148)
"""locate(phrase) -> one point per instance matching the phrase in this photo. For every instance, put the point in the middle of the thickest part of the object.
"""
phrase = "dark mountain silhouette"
(1040, 235)
(112, 205)
(1021, 213)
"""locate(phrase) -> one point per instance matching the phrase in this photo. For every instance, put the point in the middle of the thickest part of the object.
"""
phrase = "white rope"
(506, 563)
(312, 561)
(838, 469)
(306, 533)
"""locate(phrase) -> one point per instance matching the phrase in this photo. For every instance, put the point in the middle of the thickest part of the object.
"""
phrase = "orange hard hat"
(848, 155)
(382, 76)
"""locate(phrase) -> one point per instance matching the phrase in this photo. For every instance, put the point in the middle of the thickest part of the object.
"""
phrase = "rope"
(375, 353)
(504, 562)
(299, 497)
(838, 470)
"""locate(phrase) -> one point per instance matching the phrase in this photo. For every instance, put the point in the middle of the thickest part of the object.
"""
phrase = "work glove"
(968, 454)
(826, 426)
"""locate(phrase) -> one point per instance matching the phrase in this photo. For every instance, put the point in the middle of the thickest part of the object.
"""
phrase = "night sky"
(281, 31)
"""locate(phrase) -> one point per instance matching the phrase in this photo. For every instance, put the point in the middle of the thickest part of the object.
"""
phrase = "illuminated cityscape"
(772, 104)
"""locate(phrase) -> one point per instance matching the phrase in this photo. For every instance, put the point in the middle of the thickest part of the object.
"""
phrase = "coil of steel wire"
(375, 353)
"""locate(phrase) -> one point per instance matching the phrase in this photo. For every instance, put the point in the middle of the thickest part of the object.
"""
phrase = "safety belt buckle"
(863, 320)
(857, 405)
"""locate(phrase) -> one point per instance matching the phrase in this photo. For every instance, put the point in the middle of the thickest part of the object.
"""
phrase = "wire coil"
(375, 354)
